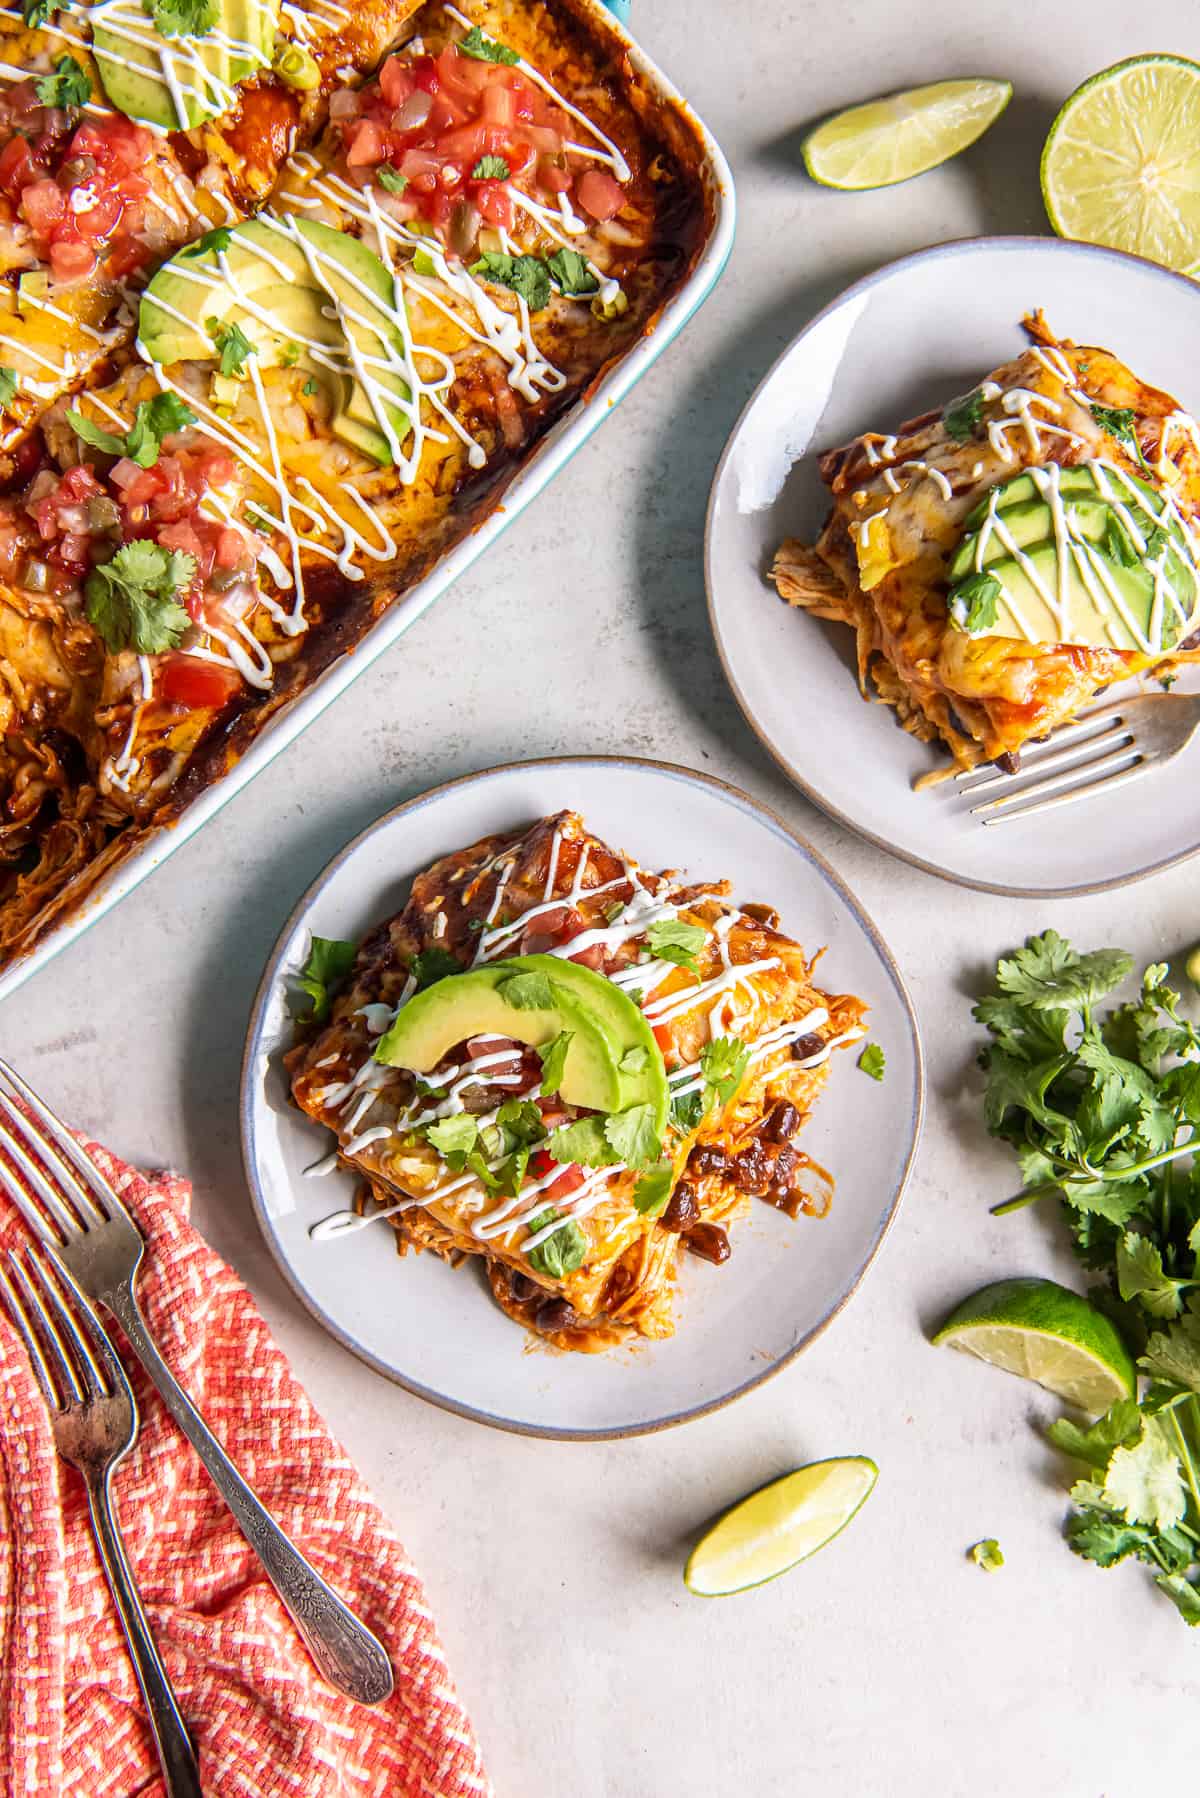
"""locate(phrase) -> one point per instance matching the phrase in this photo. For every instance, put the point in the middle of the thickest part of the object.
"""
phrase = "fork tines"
(1099, 750)
(67, 1348)
(73, 1193)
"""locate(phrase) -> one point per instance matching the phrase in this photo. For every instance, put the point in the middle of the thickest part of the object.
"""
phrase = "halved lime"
(901, 135)
(778, 1525)
(1046, 1333)
(1121, 165)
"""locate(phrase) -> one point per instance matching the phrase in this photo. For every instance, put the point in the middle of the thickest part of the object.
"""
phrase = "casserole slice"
(570, 1070)
(1005, 558)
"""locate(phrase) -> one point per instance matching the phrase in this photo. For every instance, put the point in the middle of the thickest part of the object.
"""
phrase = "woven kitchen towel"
(265, 1725)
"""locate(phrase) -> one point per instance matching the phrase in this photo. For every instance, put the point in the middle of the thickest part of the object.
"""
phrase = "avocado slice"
(640, 1066)
(1029, 523)
(473, 1004)
(177, 82)
(1131, 580)
(1077, 482)
(319, 288)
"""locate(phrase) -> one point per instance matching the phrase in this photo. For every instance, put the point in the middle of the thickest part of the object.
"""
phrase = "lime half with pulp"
(1043, 1332)
(778, 1525)
(901, 135)
(1121, 165)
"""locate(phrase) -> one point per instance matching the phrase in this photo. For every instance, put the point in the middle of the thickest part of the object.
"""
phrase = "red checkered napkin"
(265, 1725)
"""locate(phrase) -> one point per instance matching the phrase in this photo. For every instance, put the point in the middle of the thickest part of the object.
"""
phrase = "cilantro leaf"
(154, 420)
(634, 1136)
(1173, 1354)
(723, 1063)
(583, 1143)
(652, 1191)
(570, 270)
(70, 84)
(490, 168)
(8, 385)
(216, 240)
(1140, 1275)
(132, 600)
(525, 275)
(1048, 975)
(1118, 421)
(674, 939)
(232, 345)
(329, 961)
(527, 991)
(94, 436)
(561, 1253)
(688, 1110)
(486, 49)
(1094, 1443)
(554, 1061)
(455, 1135)
(973, 603)
(182, 18)
(872, 1061)
(1143, 1481)
(963, 416)
(390, 178)
(38, 12)
(987, 1554)
(434, 963)
(520, 1121)
(1100, 1537)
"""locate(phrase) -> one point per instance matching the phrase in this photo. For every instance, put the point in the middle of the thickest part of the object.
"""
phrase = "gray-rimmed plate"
(894, 344)
(437, 1330)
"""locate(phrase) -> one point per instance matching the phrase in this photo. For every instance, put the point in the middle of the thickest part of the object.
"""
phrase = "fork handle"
(345, 1651)
(180, 1773)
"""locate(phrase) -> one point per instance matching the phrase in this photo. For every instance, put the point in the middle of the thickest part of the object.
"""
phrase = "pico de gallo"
(450, 137)
(78, 194)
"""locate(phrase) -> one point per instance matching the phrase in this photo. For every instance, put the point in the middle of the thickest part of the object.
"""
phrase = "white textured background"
(889, 1665)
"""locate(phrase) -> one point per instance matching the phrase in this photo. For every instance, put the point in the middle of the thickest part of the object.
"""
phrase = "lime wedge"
(1048, 1334)
(777, 1526)
(1121, 165)
(889, 140)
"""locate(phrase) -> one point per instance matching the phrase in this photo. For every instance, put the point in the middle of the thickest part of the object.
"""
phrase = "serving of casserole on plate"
(292, 297)
(617, 1095)
(574, 1069)
(984, 462)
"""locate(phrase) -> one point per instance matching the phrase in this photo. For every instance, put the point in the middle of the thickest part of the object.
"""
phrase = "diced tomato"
(492, 1045)
(594, 957)
(569, 1181)
(554, 179)
(367, 143)
(495, 205)
(600, 194)
(425, 75)
(396, 80)
(96, 220)
(231, 550)
(498, 105)
(194, 683)
(45, 205)
(16, 166)
(71, 259)
(664, 1038)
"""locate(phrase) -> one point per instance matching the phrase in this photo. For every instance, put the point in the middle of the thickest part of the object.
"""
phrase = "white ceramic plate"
(894, 344)
(435, 1329)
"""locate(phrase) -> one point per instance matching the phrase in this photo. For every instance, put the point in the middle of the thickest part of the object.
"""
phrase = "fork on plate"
(94, 1418)
(1104, 749)
(92, 1237)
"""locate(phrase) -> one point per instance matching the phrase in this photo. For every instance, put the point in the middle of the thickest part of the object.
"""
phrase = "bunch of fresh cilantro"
(1102, 1108)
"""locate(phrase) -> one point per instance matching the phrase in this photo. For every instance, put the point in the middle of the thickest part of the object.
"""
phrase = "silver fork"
(1104, 749)
(94, 1418)
(94, 1240)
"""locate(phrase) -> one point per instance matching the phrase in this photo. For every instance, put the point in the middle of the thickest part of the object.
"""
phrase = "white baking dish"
(554, 451)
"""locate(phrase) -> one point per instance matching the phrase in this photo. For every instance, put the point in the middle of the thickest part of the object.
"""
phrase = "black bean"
(708, 1159)
(783, 1122)
(556, 1315)
(682, 1209)
(708, 1241)
(805, 1047)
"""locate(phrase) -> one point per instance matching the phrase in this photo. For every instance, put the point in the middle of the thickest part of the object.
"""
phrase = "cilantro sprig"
(329, 961)
(182, 18)
(153, 420)
(69, 85)
(1118, 421)
(1102, 1107)
(476, 43)
(133, 600)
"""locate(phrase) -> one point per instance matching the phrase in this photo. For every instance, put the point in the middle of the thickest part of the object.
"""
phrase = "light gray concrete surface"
(890, 1664)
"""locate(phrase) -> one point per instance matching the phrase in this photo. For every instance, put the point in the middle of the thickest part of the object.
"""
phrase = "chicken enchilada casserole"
(290, 293)
(569, 1069)
(1003, 559)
